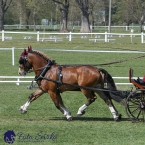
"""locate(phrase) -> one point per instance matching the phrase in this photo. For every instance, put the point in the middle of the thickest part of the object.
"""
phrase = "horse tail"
(111, 90)
(108, 80)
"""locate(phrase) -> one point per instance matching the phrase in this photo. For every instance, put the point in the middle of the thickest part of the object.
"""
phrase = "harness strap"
(59, 75)
(42, 74)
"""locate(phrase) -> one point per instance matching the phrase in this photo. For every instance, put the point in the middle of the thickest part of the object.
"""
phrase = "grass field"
(43, 120)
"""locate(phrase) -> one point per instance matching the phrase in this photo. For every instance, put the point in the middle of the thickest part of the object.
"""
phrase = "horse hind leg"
(91, 97)
(37, 93)
(111, 106)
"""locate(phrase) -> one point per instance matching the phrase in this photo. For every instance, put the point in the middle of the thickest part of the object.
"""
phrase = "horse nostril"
(19, 73)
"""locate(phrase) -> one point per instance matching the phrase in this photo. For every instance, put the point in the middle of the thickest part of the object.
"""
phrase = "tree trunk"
(1, 16)
(1, 19)
(140, 28)
(4, 5)
(85, 26)
(63, 7)
(84, 6)
(142, 21)
(92, 19)
(64, 12)
(28, 12)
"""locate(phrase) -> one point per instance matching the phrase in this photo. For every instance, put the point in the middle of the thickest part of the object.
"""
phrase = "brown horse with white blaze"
(54, 79)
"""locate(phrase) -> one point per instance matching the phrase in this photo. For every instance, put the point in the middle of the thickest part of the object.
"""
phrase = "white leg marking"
(82, 108)
(67, 113)
(25, 106)
(113, 112)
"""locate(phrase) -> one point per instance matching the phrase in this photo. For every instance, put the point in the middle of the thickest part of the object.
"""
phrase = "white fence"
(70, 27)
(18, 79)
(69, 36)
(12, 53)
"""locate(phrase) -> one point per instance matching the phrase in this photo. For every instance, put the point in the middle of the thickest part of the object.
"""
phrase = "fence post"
(38, 36)
(126, 28)
(3, 36)
(70, 36)
(106, 37)
(142, 41)
(12, 55)
(18, 82)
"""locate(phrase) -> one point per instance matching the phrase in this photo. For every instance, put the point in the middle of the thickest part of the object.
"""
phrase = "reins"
(78, 86)
(101, 64)
(84, 87)
(115, 62)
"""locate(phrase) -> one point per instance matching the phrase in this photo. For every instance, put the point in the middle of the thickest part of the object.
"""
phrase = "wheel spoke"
(132, 106)
(138, 114)
(136, 101)
(143, 116)
(135, 105)
(134, 111)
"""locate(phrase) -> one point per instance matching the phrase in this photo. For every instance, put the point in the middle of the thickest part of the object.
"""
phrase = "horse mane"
(41, 54)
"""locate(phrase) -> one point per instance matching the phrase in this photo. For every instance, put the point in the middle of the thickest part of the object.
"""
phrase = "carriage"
(53, 78)
(135, 101)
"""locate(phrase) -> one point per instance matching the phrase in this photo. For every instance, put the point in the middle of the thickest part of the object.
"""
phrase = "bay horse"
(54, 79)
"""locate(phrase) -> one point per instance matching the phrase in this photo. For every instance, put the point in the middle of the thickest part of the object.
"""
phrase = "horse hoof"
(118, 118)
(23, 111)
(69, 119)
(79, 115)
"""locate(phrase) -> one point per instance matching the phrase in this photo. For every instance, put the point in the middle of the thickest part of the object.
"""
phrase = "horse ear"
(29, 48)
(25, 52)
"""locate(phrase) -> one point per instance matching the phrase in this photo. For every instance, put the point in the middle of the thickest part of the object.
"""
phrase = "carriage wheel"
(135, 105)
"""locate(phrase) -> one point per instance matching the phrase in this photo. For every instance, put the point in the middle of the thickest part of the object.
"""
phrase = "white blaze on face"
(21, 70)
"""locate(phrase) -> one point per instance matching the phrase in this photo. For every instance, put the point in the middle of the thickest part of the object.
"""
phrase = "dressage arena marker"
(12, 53)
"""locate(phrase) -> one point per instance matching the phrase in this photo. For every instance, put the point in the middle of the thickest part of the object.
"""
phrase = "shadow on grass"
(88, 119)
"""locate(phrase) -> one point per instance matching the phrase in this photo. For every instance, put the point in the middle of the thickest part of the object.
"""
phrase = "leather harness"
(46, 68)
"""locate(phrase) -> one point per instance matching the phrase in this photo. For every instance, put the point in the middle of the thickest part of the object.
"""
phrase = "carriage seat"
(139, 81)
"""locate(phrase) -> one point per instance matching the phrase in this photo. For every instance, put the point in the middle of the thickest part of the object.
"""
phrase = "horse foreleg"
(31, 98)
(56, 98)
(90, 99)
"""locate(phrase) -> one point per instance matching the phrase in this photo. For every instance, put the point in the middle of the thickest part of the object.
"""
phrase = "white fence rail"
(70, 27)
(18, 79)
(69, 36)
(12, 53)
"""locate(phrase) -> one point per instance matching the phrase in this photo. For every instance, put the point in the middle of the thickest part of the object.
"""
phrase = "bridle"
(27, 67)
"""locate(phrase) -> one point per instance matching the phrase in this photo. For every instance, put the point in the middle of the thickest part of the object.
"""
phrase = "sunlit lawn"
(96, 127)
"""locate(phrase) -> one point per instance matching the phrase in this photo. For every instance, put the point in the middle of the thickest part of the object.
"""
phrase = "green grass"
(96, 127)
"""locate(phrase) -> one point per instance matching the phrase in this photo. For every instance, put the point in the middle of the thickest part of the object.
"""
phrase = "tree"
(84, 6)
(92, 4)
(63, 7)
(4, 5)
(138, 11)
(32, 12)
(95, 11)
(74, 15)
(132, 11)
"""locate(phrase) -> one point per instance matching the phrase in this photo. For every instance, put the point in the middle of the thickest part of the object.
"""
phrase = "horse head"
(24, 65)
(32, 59)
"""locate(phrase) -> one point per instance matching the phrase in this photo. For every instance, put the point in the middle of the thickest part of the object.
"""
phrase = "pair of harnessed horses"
(54, 79)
